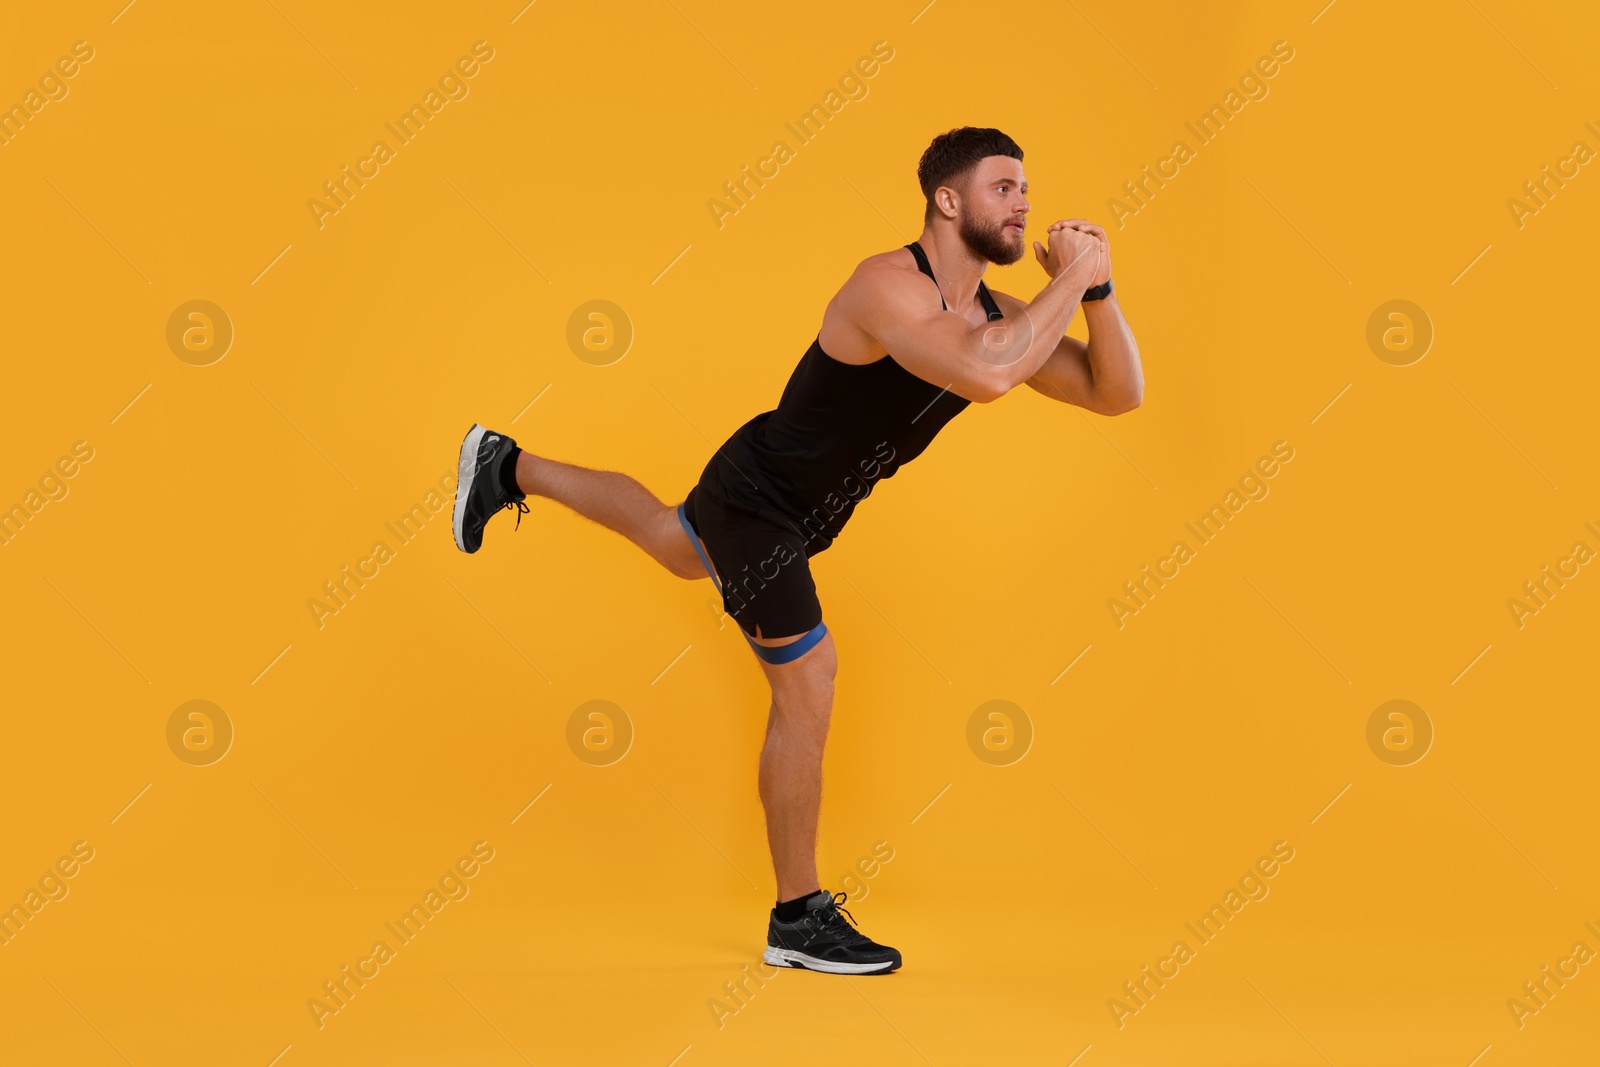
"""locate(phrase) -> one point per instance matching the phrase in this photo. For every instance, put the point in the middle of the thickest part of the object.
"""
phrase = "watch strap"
(1098, 292)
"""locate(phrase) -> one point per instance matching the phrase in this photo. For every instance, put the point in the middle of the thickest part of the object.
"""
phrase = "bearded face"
(994, 239)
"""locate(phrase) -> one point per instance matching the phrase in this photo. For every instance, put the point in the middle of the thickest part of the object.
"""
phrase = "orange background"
(370, 753)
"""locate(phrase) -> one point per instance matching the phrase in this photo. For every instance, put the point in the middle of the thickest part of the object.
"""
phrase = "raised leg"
(616, 502)
(791, 761)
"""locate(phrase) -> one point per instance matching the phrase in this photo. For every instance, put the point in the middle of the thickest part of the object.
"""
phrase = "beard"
(991, 241)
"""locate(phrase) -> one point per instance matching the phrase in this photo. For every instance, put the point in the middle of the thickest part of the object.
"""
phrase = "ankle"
(790, 910)
(506, 474)
(525, 471)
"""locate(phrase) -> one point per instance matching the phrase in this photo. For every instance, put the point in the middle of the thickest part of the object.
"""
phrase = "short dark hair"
(953, 155)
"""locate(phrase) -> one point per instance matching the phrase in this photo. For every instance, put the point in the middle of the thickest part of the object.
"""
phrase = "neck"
(956, 268)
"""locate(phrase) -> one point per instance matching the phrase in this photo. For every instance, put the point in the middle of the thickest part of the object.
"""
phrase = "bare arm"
(1104, 376)
(980, 363)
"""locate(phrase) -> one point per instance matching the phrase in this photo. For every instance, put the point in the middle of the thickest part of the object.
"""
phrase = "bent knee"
(812, 673)
(689, 571)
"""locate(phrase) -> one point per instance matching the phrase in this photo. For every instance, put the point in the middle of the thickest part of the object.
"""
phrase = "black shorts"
(760, 560)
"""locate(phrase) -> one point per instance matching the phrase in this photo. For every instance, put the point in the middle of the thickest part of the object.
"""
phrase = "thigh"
(671, 544)
(762, 568)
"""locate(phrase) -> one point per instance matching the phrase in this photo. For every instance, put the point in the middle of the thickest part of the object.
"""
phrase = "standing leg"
(819, 936)
(791, 762)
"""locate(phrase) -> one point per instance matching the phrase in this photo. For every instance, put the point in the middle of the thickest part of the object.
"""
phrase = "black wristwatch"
(1099, 292)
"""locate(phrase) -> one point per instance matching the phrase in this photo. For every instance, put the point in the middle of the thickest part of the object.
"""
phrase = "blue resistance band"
(779, 654)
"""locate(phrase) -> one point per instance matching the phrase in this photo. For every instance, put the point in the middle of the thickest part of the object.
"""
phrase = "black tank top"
(838, 430)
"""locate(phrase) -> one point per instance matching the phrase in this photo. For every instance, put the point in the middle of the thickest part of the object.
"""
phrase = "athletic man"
(912, 337)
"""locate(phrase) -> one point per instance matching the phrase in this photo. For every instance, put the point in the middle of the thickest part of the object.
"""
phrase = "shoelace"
(522, 509)
(828, 918)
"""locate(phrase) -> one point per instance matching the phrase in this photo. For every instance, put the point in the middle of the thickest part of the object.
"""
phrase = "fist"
(1103, 268)
(1103, 272)
(1074, 250)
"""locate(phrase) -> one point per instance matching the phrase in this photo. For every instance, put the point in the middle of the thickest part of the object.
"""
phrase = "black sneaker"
(821, 940)
(479, 494)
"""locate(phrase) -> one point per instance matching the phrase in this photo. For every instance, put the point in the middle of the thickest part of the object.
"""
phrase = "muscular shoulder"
(883, 286)
(888, 277)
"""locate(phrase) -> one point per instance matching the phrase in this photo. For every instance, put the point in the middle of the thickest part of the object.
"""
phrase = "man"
(912, 337)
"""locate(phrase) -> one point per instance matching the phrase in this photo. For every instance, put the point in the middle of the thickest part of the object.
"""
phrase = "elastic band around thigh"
(792, 651)
(694, 539)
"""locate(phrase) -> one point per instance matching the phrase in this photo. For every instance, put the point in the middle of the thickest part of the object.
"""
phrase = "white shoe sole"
(466, 467)
(787, 957)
